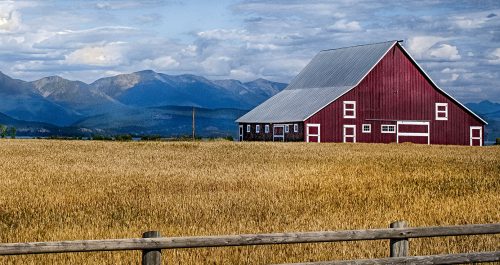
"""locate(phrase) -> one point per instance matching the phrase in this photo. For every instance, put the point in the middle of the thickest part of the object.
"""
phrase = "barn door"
(278, 133)
(414, 132)
(349, 133)
(241, 133)
(313, 133)
(476, 136)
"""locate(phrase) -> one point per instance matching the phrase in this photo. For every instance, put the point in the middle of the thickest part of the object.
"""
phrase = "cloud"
(106, 55)
(445, 52)
(161, 63)
(431, 47)
(344, 25)
(457, 45)
(494, 57)
(419, 46)
(10, 19)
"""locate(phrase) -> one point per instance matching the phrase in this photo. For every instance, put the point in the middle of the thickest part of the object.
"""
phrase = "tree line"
(6, 131)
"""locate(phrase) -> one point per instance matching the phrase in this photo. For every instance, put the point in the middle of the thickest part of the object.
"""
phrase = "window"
(287, 129)
(257, 128)
(442, 111)
(349, 109)
(248, 128)
(266, 128)
(367, 128)
(295, 128)
(388, 128)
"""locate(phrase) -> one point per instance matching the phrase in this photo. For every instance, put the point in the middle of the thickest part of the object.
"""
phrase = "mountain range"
(143, 102)
(146, 102)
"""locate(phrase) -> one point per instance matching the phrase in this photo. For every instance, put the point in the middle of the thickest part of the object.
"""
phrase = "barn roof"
(329, 75)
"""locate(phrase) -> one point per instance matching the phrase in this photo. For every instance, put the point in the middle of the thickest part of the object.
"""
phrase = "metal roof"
(340, 67)
(292, 105)
(329, 75)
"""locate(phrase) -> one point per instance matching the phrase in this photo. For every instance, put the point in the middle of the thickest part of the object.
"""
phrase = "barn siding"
(395, 89)
(291, 136)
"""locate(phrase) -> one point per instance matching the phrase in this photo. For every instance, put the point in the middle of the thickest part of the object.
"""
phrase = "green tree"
(3, 131)
(13, 131)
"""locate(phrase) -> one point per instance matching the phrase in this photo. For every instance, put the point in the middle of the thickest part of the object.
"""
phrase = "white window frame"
(287, 128)
(353, 136)
(480, 138)
(388, 126)
(241, 132)
(353, 103)
(257, 128)
(317, 125)
(295, 128)
(369, 128)
(281, 136)
(445, 111)
(266, 128)
(249, 128)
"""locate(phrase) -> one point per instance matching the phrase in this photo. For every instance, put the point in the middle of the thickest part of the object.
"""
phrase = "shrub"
(123, 137)
(154, 137)
(99, 137)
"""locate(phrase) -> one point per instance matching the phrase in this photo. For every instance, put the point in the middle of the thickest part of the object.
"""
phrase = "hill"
(108, 102)
(166, 120)
(489, 111)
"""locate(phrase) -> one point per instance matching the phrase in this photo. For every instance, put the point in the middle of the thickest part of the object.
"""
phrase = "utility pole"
(193, 127)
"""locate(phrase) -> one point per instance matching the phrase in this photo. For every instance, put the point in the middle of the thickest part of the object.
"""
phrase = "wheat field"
(71, 190)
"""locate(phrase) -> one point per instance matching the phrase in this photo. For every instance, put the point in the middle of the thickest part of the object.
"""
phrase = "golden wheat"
(69, 190)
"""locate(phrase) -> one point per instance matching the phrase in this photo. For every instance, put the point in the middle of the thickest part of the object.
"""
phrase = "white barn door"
(349, 133)
(476, 136)
(313, 134)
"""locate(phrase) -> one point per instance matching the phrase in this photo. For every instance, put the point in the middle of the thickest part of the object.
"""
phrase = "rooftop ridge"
(366, 44)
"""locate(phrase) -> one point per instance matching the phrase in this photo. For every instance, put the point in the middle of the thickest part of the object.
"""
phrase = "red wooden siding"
(395, 90)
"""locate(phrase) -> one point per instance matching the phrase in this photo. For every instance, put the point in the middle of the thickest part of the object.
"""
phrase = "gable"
(440, 90)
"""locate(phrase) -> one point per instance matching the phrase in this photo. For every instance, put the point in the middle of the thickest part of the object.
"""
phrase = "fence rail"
(152, 243)
(473, 257)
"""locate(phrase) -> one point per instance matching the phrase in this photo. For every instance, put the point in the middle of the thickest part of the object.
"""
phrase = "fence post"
(399, 247)
(151, 256)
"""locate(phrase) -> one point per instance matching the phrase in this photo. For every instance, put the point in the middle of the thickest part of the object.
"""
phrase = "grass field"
(65, 190)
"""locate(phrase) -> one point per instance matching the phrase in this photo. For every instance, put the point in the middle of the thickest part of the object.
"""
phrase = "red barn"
(375, 93)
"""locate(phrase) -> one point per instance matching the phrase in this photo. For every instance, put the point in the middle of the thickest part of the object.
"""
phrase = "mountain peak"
(146, 72)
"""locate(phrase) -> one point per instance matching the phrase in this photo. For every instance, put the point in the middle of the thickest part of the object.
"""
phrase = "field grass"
(69, 190)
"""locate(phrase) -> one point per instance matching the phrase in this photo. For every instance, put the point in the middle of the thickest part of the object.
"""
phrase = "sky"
(456, 42)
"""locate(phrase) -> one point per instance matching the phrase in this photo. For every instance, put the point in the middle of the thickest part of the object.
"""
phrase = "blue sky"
(457, 42)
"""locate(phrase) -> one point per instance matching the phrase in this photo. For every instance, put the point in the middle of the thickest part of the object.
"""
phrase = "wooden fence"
(152, 243)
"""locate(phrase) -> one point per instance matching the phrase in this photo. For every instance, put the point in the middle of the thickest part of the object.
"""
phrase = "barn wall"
(291, 136)
(395, 90)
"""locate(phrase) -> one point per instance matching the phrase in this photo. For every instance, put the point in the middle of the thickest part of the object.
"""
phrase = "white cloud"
(429, 47)
(446, 52)
(344, 25)
(452, 77)
(240, 74)
(495, 56)
(448, 70)
(105, 55)
(469, 23)
(217, 65)
(261, 46)
(161, 63)
(10, 19)
(419, 46)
